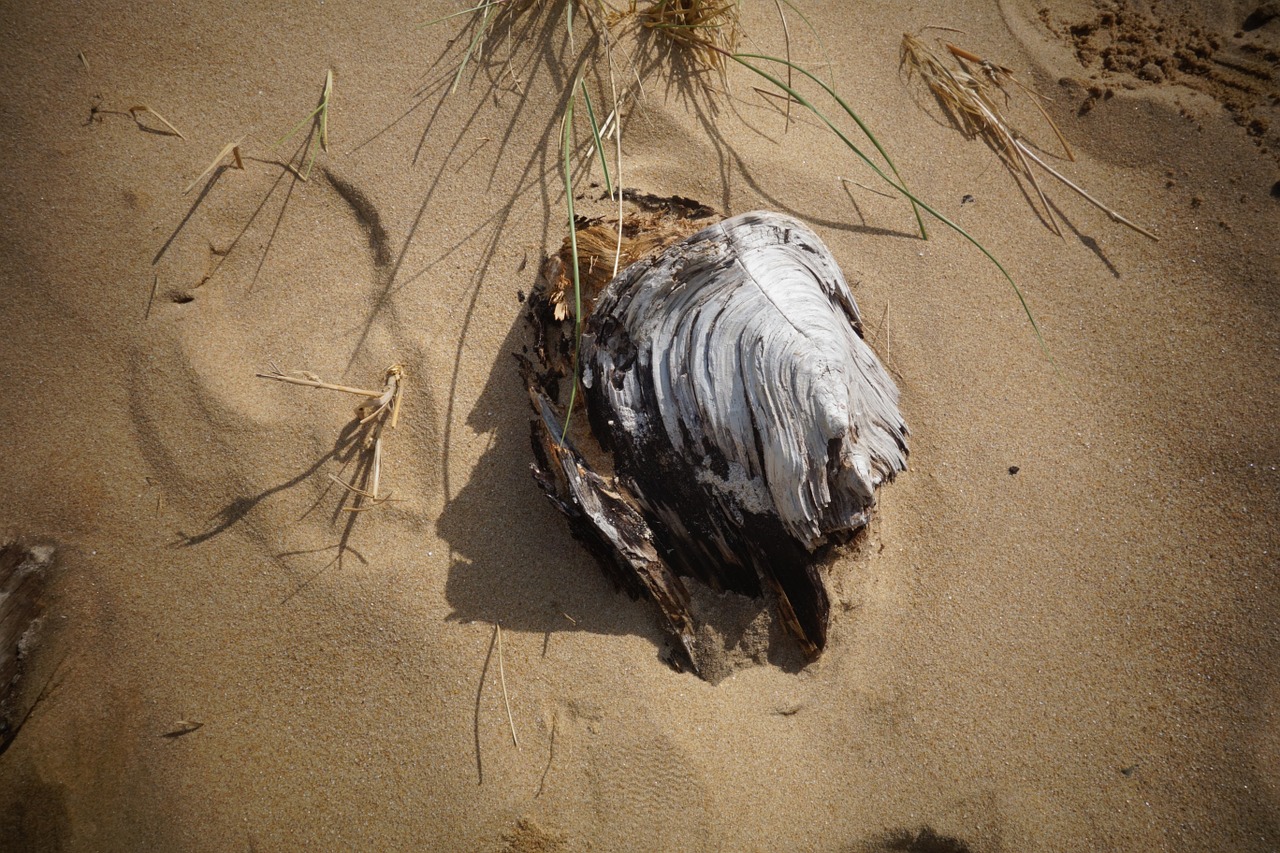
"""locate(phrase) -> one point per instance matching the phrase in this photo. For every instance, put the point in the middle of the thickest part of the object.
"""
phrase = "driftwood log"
(744, 422)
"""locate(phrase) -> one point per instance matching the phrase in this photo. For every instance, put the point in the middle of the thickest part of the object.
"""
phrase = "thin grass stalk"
(916, 202)
(443, 18)
(475, 41)
(566, 133)
(740, 59)
(786, 37)
(323, 112)
(595, 132)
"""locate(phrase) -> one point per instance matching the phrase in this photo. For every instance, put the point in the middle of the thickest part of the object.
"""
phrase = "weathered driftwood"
(23, 577)
(748, 421)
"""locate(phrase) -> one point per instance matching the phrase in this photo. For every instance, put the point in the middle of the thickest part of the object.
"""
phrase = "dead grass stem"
(973, 93)
(232, 148)
(502, 679)
(378, 410)
(143, 108)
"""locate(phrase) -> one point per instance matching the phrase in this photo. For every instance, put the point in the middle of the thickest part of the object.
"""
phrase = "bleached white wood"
(740, 350)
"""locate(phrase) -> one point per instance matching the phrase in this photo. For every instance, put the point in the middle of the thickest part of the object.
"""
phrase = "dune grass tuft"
(709, 29)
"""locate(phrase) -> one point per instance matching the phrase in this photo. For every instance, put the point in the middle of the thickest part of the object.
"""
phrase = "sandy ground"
(1079, 656)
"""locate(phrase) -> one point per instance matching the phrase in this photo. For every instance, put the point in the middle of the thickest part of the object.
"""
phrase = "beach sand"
(1083, 655)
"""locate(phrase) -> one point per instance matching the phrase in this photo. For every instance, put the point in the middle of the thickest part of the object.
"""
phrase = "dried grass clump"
(600, 254)
(378, 410)
(972, 92)
(710, 30)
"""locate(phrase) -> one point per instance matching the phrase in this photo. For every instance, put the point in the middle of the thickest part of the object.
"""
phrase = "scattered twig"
(83, 60)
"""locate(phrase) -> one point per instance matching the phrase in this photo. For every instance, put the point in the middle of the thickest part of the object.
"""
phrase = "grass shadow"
(533, 576)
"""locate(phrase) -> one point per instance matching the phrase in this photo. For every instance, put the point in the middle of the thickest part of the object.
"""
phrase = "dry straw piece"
(502, 678)
(379, 409)
(968, 92)
(143, 108)
(232, 148)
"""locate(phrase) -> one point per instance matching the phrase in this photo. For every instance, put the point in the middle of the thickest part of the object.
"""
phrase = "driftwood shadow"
(514, 559)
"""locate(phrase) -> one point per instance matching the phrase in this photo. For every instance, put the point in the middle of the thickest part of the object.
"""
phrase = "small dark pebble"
(1013, 469)
(968, 199)
(520, 296)
(1130, 770)
(1275, 190)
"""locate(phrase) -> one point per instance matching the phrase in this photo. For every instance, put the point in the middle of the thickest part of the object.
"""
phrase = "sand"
(1079, 656)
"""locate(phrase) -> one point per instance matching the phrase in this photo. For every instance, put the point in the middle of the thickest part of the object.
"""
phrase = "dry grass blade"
(967, 93)
(229, 148)
(1003, 77)
(310, 380)
(320, 117)
(378, 410)
(502, 678)
(183, 727)
(143, 108)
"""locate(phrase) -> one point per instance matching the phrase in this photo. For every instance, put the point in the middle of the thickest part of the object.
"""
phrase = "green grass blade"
(566, 134)
(481, 29)
(297, 127)
(897, 185)
(595, 132)
(322, 111)
(843, 105)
